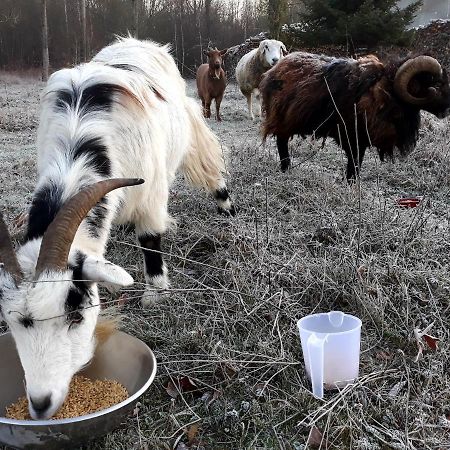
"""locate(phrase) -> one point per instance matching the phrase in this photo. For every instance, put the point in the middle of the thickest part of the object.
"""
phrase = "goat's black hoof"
(227, 212)
(285, 166)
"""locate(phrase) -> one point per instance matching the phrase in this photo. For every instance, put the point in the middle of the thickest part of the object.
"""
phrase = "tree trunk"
(136, 18)
(208, 19)
(83, 31)
(276, 11)
(45, 59)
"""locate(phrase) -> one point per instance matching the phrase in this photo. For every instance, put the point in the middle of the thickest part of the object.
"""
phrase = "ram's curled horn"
(7, 255)
(61, 232)
(411, 68)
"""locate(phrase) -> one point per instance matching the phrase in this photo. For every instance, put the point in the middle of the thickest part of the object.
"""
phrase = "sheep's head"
(421, 81)
(215, 61)
(271, 51)
(50, 301)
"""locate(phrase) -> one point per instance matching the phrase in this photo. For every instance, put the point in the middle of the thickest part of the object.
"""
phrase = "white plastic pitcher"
(330, 344)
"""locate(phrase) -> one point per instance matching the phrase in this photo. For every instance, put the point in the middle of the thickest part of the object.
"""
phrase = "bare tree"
(136, 18)
(45, 58)
(83, 31)
(276, 11)
(208, 18)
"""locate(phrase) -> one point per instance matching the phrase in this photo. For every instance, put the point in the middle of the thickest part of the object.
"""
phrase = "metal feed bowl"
(122, 357)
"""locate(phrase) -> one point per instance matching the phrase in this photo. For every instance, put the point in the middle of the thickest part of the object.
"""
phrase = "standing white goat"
(125, 114)
(251, 67)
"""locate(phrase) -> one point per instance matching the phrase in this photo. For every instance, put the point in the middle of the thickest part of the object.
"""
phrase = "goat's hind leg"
(223, 200)
(203, 164)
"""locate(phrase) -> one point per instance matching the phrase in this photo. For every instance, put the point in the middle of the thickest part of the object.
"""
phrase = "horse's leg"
(218, 102)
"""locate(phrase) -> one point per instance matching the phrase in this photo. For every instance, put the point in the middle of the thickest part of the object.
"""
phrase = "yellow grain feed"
(85, 396)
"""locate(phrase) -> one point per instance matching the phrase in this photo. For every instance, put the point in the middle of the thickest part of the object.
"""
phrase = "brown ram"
(358, 102)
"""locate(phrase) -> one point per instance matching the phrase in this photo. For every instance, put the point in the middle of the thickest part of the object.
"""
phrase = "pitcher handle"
(315, 352)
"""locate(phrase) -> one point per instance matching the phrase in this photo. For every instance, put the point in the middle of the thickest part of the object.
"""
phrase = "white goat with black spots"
(125, 114)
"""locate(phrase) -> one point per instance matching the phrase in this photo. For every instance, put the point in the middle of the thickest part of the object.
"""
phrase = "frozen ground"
(302, 242)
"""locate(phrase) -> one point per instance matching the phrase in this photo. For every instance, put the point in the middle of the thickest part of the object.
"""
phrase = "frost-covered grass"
(302, 242)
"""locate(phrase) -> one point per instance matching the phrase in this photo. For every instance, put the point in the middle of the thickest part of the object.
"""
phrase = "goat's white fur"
(251, 67)
(151, 130)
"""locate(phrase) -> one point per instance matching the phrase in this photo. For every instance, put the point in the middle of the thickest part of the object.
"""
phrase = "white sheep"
(252, 66)
(125, 114)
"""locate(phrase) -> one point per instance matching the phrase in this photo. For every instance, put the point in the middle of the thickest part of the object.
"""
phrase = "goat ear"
(284, 50)
(106, 273)
(223, 52)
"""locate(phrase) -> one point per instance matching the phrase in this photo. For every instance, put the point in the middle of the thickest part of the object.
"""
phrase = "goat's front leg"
(218, 102)
(155, 267)
(208, 101)
(149, 231)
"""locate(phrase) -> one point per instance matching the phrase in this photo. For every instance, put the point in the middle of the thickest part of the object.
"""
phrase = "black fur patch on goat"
(96, 152)
(98, 97)
(221, 194)
(153, 259)
(81, 289)
(96, 217)
(44, 206)
(139, 71)
(129, 68)
(26, 321)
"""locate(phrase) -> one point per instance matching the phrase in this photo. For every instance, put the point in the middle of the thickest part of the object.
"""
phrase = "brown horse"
(211, 81)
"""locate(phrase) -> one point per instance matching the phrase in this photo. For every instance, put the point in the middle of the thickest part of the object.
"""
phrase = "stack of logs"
(434, 39)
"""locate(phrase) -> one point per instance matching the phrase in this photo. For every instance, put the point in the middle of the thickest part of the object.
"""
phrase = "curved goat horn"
(7, 255)
(408, 70)
(61, 232)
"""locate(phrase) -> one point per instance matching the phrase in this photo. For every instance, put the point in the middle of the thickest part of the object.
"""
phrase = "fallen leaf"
(431, 341)
(192, 433)
(362, 272)
(383, 356)
(422, 335)
(187, 384)
(316, 439)
(177, 386)
(227, 370)
(171, 390)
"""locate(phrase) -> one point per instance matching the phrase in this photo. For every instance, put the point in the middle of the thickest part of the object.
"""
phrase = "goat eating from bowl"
(126, 113)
